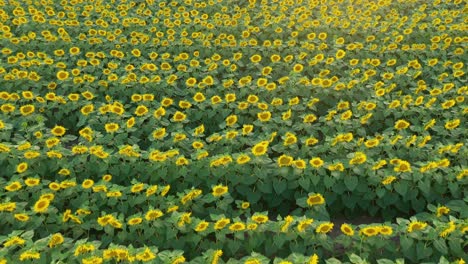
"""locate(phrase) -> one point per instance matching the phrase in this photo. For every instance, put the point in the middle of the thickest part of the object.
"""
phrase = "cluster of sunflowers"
(151, 131)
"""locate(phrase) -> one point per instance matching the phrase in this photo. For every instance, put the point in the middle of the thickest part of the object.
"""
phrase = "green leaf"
(443, 260)
(328, 181)
(315, 179)
(406, 242)
(441, 246)
(279, 240)
(457, 205)
(280, 186)
(423, 252)
(265, 187)
(384, 261)
(356, 259)
(425, 187)
(401, 188)
(351, 182)
(333, 261)
(304, 183)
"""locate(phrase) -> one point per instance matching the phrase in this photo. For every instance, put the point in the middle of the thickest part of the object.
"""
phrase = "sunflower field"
(233, 131)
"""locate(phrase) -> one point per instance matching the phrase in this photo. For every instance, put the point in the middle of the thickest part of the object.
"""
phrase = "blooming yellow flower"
(62, 75)
(237, 226)
(219, 190)
(260, 218)
(14, 186)
(41, 205)
(315, 199)
(285, 160)
(416, 225)
(22, 167)
(347, 229)
(55, 240)
(111, 127)
(316, 162)
(442, 210)
(260, 148)
(324, 228)
(401, 124)
(202, 226)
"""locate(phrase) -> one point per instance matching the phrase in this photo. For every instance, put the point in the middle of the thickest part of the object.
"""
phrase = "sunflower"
(260, 218)
(50, 142)
(58, 131)
(111, 127)
(159, 133)
(130, 122)
(297, 68)
(347, 229)
(153, 214)
(141, 110)
(369, 231)
(199, 97)
(22, 167)
(30, 182)
(256, 58)
(14, 186)
(182, 161)
(219, 190)
(299, 164)
(221, 223)
(202, 226)
(403, 166)
(237, 226)
(54, 186)
(208, 80)
(452, 124)
(401, 124)
(242, 159)
(191, 82)
(144, 256)
(62, 75)
(41, 205)
(385, 230)
(324, 228)
(285, 160)
(179, 116)
(340, 54)
(55, 240)
(87, 109)
(74, 50)
(27, 109)
(371, 143)
(446, 231)
(245, 205)
(264, 116)
(134, 221)
(309, 118)
(416, 225)
(388, 180)
(315, 199)
(29, 255)
(260, 148)
(316, 162)
(359, 158)
(231, 120)
(21, 217)
(311, 141)
(136, 188)
(303, 224)
(442, 210)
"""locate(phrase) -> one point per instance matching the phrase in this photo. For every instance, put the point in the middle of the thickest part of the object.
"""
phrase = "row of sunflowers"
(217, 131)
